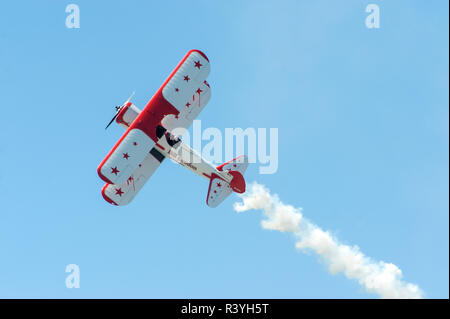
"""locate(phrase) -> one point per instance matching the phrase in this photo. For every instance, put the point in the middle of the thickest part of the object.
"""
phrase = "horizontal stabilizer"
(219, 189)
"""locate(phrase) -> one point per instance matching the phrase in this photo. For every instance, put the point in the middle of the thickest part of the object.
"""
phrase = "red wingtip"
(200, 52)
(109, 200)
(103, 177)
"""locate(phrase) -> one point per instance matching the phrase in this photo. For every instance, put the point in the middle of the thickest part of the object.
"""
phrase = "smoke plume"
(379, 277)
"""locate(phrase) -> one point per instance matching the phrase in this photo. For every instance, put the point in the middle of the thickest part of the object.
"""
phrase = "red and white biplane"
(148, 139)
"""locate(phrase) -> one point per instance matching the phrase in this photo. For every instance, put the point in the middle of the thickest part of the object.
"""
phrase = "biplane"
(149, 138)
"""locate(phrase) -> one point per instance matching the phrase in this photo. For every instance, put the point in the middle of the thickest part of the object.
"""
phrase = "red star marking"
(114, 170)
(188, 104)
(219, 185)
(176, 89)
(198, 65)
(134, 143)
(119, 192)
(199, 90)
(186, 78)
(126, 156)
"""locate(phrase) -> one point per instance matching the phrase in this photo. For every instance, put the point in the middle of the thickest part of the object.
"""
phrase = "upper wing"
(187, 79)
(188, 91)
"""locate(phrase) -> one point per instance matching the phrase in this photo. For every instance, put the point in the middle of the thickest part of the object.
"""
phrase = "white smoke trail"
(384, 279)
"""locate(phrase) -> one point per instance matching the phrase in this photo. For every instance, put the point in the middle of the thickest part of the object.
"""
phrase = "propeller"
(118, 109)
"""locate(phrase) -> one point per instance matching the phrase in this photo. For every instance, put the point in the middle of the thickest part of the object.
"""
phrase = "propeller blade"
(128, 100)
(112, 120)
(118, 108)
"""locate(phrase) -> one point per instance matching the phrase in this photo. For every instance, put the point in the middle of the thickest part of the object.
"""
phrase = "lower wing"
(121, 195)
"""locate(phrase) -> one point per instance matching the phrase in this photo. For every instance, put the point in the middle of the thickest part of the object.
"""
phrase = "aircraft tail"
(219, 189)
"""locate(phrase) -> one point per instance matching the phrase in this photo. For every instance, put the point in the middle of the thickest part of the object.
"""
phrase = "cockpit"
(171, 139)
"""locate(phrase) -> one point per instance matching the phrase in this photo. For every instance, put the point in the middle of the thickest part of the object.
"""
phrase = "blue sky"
(363, 145)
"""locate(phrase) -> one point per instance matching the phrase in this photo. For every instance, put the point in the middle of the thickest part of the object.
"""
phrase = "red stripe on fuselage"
(161, 147)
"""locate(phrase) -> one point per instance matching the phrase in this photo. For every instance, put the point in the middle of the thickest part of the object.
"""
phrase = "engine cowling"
(127, 115)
